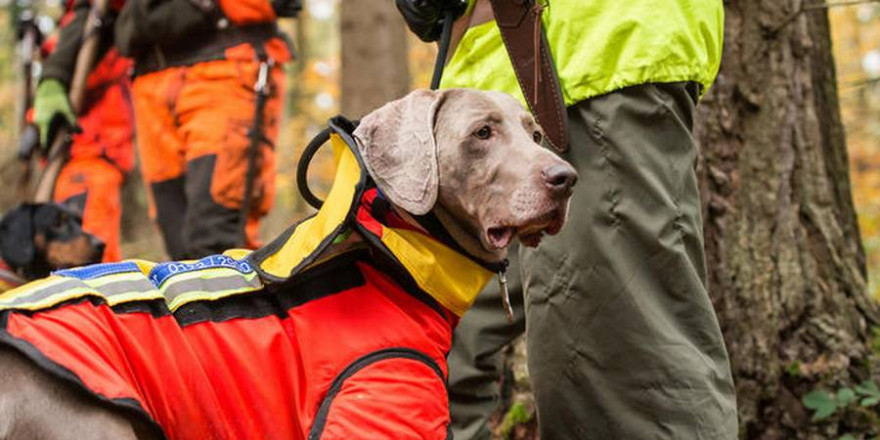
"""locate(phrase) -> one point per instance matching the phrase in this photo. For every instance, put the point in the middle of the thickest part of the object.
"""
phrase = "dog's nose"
(560, 179)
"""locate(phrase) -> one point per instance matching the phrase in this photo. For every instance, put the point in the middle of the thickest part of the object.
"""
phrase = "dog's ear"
(397, 143)
(17, 237)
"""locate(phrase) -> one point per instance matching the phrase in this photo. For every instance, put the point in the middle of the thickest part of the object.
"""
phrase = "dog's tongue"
(500, 237)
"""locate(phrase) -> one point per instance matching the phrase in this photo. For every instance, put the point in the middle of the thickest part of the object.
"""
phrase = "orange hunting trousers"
(193, 126)
(92, 186)
(102, 154)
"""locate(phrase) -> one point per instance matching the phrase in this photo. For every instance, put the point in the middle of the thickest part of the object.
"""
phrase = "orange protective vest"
(299, 339)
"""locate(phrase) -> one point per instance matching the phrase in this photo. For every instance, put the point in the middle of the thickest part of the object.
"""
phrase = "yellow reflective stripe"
(133, 296)
(206, 273)
(36, 291)
(309, 234)
(27, 289)
(114, 278)
(189, 297)
(449, 277)
(207, 284)
(114, 288)
(53, 299)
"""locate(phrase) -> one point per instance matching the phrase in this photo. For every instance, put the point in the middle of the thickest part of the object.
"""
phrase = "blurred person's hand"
(425, 17)
(52, 110)
(287, 8)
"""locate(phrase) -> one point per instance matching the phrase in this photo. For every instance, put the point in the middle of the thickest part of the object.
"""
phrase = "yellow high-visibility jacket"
(598, 45)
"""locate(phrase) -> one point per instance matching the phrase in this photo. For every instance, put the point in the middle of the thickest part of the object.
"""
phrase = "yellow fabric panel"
(449, 277)
(309, 234)
(144, 266)
(238, 254)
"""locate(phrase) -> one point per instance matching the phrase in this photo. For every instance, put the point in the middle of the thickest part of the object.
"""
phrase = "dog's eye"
(537, 136)
(483, 132)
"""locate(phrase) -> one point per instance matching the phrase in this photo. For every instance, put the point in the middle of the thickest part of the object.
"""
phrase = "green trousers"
(622, 339)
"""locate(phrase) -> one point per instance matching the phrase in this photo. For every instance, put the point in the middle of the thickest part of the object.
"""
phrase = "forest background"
(333, 42)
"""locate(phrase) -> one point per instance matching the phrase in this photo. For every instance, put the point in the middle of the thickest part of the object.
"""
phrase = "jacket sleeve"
(61, 63)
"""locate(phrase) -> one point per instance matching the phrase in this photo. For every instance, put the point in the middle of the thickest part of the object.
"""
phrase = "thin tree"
(374, 56)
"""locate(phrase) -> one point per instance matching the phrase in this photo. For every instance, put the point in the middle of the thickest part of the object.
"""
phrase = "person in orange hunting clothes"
(199, 67)
(102, 154)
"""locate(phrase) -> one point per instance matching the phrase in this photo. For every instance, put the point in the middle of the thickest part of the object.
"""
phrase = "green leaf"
(845, 396)
(823, 413)
(868, 388)
(821, 402)
(870, 401)
(818, 399)
(847, 437)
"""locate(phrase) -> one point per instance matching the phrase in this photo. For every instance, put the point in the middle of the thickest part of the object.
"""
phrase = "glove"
(287, 8)
(425, 17)
(52, 110)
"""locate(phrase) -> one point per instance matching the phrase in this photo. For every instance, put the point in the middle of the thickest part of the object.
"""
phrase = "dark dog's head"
(36, 238)
(473, 158)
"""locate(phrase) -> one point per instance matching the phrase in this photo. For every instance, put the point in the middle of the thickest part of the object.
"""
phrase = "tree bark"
(374, 57)
(786, 266)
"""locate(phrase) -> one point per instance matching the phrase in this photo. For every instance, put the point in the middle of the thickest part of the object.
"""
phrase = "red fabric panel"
(378, 315)
(95, 360)
(393, 398)
(256, 380)
(365, 219)
(256, 377)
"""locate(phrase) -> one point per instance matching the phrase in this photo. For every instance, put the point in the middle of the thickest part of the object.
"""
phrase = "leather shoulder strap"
(520, 24)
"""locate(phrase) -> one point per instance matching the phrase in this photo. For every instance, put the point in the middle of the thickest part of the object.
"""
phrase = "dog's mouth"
(529, 232)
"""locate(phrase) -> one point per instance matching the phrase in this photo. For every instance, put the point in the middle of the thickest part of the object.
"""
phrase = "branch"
(817, 7)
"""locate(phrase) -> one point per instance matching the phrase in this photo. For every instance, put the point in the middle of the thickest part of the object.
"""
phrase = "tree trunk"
(787, 270)
(374, 61)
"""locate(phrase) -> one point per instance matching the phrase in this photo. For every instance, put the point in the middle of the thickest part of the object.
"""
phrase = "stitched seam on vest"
(358, 365)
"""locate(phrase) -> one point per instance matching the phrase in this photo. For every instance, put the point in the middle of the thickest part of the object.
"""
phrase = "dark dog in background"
(37, 238)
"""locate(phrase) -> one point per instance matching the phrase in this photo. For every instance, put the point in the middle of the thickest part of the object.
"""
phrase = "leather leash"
(520, 24)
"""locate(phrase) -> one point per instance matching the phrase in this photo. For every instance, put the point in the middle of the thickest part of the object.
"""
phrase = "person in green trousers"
(622, 339)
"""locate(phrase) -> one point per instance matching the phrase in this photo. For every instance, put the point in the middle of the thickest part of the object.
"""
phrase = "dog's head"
(36, 238)
(473, 158)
